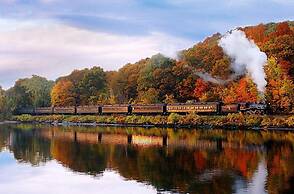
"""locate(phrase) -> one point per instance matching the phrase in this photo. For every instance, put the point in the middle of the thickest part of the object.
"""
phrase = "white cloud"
(52, 49)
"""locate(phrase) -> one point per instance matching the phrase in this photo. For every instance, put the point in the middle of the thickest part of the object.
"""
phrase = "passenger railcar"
(148, 108)
(65, 110)
(209, 107)
(30, 111)
(43, 110)
(88, 109)
(229, 108)
(115, 109)
(180, 108)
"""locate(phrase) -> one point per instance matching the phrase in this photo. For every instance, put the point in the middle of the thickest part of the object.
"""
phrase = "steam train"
(217, 108)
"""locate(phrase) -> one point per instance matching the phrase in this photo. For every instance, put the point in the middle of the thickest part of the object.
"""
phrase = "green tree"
(19, 97)
(39, 89)
(4, 109)
(157, 75)
(92, 86)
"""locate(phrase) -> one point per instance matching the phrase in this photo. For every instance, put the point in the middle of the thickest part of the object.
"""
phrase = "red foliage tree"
(283, 29)
(200, 88)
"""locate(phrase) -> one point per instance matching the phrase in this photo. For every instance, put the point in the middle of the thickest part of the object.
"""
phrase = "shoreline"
(230, 122)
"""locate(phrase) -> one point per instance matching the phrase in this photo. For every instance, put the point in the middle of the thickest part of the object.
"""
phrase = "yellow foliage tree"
(280, 89)
(62, 94)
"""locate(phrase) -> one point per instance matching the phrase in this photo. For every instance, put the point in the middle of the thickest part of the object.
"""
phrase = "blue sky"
(53, 37)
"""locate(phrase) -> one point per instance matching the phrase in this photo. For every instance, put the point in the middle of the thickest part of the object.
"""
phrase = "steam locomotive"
(217, 108)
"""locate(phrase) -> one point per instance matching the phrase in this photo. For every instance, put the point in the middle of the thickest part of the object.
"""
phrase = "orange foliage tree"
(246, 91)
(62, 94)
(200, 88)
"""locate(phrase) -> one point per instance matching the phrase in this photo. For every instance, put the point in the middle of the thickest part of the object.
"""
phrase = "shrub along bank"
(233, 120)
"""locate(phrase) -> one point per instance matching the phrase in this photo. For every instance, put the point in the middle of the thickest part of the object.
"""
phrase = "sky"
(51, 38)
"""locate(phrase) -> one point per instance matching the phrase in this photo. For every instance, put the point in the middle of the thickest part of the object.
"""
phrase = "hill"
(162, 79)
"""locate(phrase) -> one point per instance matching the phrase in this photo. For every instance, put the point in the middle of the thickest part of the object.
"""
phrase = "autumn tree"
(221, 68)
(184, 82)
(280, 45)
(125, 83)
(75, 78)
(280, 89)
(111, 78)
(81, 87)
(282, 29)
(200, 88)
(246, 91)
(203, 55)
(257, 33)
(62, 94)
(150, 96)
(228, 94)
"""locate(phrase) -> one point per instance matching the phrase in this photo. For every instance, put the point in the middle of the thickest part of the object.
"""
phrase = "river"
(41, 159)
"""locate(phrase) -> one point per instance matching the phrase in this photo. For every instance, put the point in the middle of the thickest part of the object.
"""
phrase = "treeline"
(28, 92)
(162, 79)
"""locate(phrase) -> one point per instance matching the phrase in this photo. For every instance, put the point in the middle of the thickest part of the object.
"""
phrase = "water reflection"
(139, 160)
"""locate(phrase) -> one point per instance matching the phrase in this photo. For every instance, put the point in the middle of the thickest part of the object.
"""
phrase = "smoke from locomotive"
(246, 56)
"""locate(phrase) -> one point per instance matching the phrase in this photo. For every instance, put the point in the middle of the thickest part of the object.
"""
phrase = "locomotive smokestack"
(246, 56)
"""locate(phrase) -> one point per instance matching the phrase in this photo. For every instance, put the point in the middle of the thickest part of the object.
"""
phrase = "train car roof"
(115, 105)
(148, 104)
(89, 106)
(195, 103)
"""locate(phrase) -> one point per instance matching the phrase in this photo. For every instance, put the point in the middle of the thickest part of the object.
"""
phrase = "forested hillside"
(162, 79)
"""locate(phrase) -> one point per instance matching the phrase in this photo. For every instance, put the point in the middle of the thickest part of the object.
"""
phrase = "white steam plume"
(246, 56)
(216, 80)
(209, 78)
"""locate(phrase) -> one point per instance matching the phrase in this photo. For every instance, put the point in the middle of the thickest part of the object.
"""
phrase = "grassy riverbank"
(231, 120)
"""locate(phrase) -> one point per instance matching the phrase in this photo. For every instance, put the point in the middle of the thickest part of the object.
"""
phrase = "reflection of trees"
(88, 158)
(28, 147)
(170, 169)
(4, 138)
(191, 162)
(280, 164)
(243, 161)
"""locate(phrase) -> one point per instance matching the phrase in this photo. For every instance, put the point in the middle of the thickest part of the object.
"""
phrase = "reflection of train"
(180, 108)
